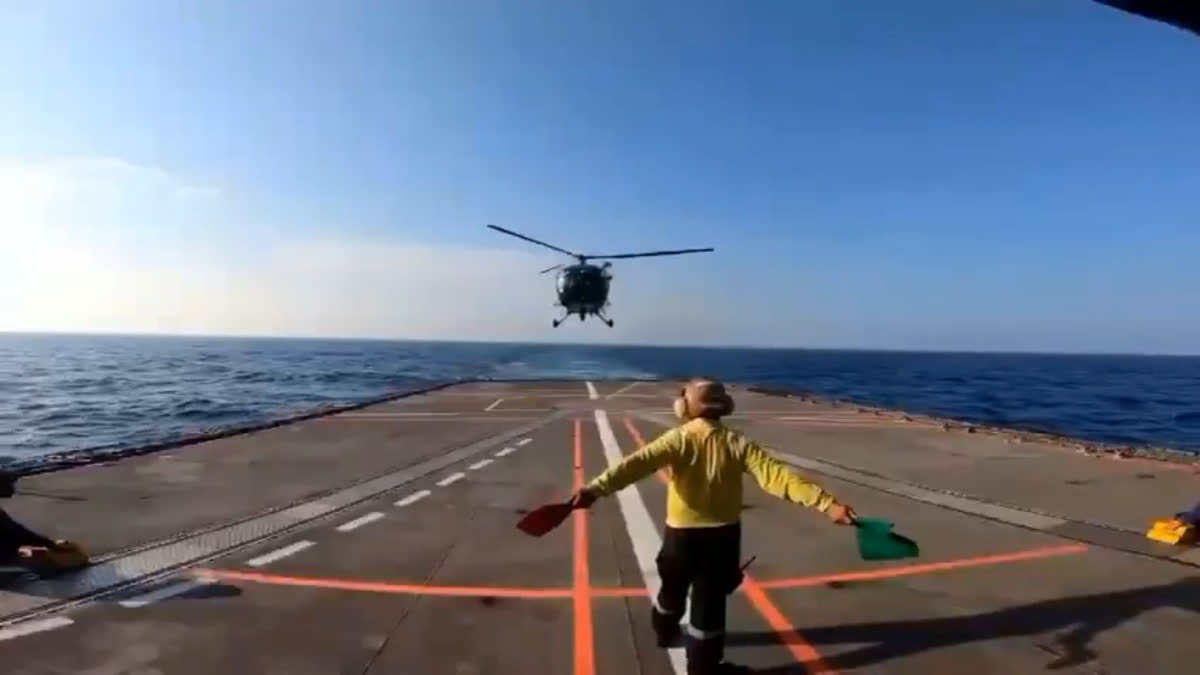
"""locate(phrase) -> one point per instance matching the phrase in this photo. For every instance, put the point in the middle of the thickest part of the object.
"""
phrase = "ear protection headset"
(680, 405)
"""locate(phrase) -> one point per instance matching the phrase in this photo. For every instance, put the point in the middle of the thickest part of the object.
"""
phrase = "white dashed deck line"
(280, 554)
(33, 626)
(359, 522)
(642, 532)
(494, 404)
(165, 592)
(414, 498)
(480, 464)
(451, 479)
(505, 451)
(592, 393)
(524, 441)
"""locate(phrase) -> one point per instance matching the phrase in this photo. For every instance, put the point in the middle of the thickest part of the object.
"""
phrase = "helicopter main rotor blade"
(534, 241)
(649, 254)
(1178, 13)
(550, 269)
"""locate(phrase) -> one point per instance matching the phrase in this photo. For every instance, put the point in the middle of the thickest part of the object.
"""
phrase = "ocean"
(96, 394)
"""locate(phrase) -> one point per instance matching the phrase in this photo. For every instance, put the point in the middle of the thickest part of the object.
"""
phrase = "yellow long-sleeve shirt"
(706, 461)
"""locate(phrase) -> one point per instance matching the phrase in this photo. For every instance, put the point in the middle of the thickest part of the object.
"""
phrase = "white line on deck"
(414, 498)
(524, 441)
(494, 404)
(450, 479)
(33, 626)
(642, 532)
(480, 464)
(592, 393)
(165, 592)
(359, 522)
(280, 554)
(624, 389)
(382, 415)
(506, 451)
(1035, 521)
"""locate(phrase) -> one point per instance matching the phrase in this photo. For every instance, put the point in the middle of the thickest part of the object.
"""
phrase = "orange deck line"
(802, 650)
(926, 568)
(387, 587)
(630, 592)
(581, 592)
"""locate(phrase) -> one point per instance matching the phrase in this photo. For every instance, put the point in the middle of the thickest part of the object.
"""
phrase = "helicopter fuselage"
(583, 289)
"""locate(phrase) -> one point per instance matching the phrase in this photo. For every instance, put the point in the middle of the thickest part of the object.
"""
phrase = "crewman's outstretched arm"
(778, 480)
(650, 458)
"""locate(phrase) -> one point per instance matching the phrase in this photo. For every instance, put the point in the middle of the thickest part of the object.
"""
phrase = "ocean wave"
(73, 393)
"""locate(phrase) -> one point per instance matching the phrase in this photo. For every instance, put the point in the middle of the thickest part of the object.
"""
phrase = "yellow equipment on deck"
(1172, 531)
(1180, 530)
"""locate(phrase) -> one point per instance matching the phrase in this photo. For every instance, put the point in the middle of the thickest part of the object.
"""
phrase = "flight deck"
(382, 540)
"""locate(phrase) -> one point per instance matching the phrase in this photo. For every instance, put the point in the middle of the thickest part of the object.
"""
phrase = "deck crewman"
(21, 546)
(702, 539)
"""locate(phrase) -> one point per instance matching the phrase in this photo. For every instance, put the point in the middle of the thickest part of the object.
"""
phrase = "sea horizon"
(586, 343)
(93, 393)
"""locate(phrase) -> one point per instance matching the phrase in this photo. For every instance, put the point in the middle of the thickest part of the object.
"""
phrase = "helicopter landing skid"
(558, 322)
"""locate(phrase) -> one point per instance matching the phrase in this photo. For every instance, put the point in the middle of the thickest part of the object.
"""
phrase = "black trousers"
(704, 560)
(14, 535)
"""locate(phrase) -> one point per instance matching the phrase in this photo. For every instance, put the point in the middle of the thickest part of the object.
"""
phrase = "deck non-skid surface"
(432, 577)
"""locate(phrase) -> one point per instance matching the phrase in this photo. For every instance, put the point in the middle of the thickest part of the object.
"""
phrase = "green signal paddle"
(876, 541)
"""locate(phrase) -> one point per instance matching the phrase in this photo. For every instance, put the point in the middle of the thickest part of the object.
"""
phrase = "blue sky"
(879, 174)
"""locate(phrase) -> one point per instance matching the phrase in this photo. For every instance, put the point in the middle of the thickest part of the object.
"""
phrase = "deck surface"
(383, 541)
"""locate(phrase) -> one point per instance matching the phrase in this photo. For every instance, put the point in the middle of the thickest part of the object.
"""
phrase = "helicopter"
(583, 287)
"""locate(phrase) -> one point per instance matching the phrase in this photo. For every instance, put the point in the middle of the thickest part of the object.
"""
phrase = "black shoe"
(666, 629)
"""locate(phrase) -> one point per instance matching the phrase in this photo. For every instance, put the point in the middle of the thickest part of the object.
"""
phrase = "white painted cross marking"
(524, 441)
(413, 498)
(480, 464)
(592, 393)
(494, 404)
(280, 554)
(359, 522)
(450, 479)
(506, 451)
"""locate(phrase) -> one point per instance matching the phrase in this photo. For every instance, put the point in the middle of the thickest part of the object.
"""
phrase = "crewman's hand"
(583, 498)
(841, 514)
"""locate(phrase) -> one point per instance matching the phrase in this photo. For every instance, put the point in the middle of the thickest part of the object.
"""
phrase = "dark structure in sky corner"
(583, 287)
(1183, 14)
